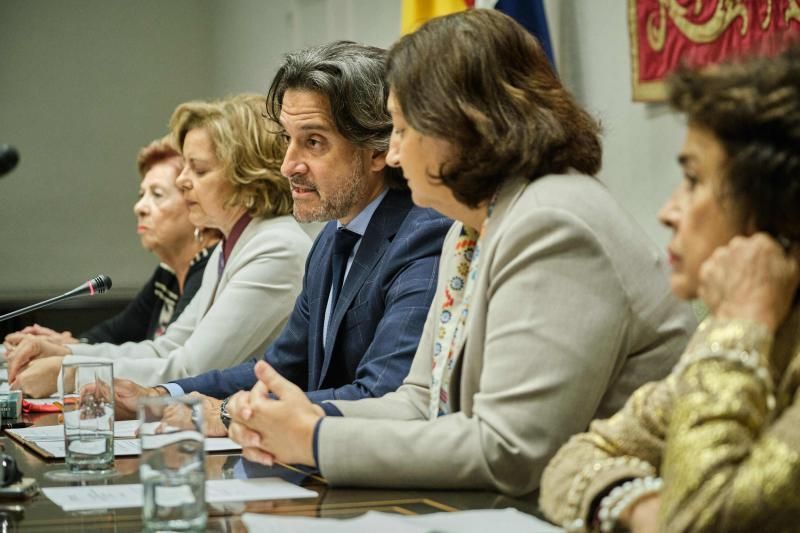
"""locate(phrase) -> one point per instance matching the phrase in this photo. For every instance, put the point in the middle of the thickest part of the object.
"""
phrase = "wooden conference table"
(40, 514)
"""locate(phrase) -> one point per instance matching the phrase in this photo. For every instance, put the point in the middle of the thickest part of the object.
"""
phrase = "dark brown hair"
(752, 107)
(352, 78)
(480, 81)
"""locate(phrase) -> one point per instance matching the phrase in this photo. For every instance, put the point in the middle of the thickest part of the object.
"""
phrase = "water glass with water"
(88, 400)
(171, 466)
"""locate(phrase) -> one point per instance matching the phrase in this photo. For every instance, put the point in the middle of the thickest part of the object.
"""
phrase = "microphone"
(97, 285)
(9, 157)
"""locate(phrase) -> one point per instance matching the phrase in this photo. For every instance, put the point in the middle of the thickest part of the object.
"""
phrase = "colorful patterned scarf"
(453, 314)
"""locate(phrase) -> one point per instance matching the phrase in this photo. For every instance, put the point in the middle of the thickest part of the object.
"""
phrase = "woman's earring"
(198, 234)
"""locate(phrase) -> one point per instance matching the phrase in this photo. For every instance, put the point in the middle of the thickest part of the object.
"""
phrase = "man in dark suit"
(354, 338)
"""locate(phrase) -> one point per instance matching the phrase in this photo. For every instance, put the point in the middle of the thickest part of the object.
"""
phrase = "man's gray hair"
(352, 77)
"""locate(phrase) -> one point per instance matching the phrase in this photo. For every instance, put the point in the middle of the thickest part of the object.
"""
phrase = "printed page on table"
(125, 429)
(217, 491)
(124, 447)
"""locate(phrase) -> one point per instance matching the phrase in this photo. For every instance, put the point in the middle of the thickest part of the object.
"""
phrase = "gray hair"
(352, 77)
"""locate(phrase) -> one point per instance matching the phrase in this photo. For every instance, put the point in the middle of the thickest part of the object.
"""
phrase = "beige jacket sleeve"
(527, 380)
(226, 323)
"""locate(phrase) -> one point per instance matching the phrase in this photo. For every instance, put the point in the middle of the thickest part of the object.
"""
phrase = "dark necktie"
(343, 242)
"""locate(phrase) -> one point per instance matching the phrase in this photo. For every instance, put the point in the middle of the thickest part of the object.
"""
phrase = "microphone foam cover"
(9, 157)
(102, 283)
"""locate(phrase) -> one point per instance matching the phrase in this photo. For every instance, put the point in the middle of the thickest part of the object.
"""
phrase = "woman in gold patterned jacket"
(716, 445)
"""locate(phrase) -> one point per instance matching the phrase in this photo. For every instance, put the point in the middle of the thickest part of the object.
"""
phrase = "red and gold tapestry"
(667, 33)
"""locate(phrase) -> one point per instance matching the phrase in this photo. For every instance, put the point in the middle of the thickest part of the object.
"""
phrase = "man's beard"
(340, 202)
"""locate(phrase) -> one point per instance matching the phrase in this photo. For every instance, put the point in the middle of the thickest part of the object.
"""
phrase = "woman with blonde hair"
(164, 228)
(231, 181)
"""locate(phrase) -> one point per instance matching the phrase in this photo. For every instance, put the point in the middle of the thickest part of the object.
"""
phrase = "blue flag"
(530, 13)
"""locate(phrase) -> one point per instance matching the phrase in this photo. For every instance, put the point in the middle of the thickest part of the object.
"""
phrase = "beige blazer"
(232, 317)
(572, 312)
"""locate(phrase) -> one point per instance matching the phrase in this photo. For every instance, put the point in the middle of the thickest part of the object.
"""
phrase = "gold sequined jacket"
(722, 431)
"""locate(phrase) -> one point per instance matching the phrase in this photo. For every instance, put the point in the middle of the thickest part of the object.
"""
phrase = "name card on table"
(89, 498)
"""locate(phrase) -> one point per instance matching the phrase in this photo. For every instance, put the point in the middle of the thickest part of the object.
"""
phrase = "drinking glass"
(88, 400)
(171, 466)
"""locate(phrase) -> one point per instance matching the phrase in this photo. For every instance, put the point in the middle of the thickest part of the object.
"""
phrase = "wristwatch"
(224, 416)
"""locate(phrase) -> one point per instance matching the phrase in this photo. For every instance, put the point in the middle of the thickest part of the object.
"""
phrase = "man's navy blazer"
(375, 328)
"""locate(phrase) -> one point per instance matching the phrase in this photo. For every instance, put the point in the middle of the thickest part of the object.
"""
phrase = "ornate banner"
(666, 33)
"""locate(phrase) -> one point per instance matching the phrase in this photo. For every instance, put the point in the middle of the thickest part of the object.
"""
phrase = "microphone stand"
(36, 306)
(98, 285)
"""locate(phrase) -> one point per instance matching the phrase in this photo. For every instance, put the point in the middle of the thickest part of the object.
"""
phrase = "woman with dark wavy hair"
(714, 446)
(551, 306)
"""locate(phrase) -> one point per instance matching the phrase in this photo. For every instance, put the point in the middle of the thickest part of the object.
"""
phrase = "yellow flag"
(416, 12)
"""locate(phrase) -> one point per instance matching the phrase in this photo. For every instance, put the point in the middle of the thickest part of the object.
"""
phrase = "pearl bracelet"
(622, 496)
(580, 484)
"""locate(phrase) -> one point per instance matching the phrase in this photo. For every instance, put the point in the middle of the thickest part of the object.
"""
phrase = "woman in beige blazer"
(551, 306)
(231, 181)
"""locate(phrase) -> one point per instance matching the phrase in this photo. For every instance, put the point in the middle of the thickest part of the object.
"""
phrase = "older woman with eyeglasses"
(162, 222)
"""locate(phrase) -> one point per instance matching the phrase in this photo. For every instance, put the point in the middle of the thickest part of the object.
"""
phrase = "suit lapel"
(381, 230)
(221, 277)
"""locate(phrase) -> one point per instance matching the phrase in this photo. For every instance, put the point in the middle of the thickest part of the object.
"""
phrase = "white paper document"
(246, 490)
(3, 374)
(51, 439)
(494, 520)
(127, 447)
(123, 429)
(217, 491)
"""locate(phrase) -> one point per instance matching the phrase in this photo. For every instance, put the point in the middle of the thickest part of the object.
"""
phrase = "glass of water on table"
(171, 466)
(88, 403)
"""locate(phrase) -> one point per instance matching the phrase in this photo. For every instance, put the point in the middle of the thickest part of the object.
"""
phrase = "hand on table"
(31, 348)
(39, 379)
(64, 337)
(270, 429)
(750, 278)
(126, 397)
(180, 416)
